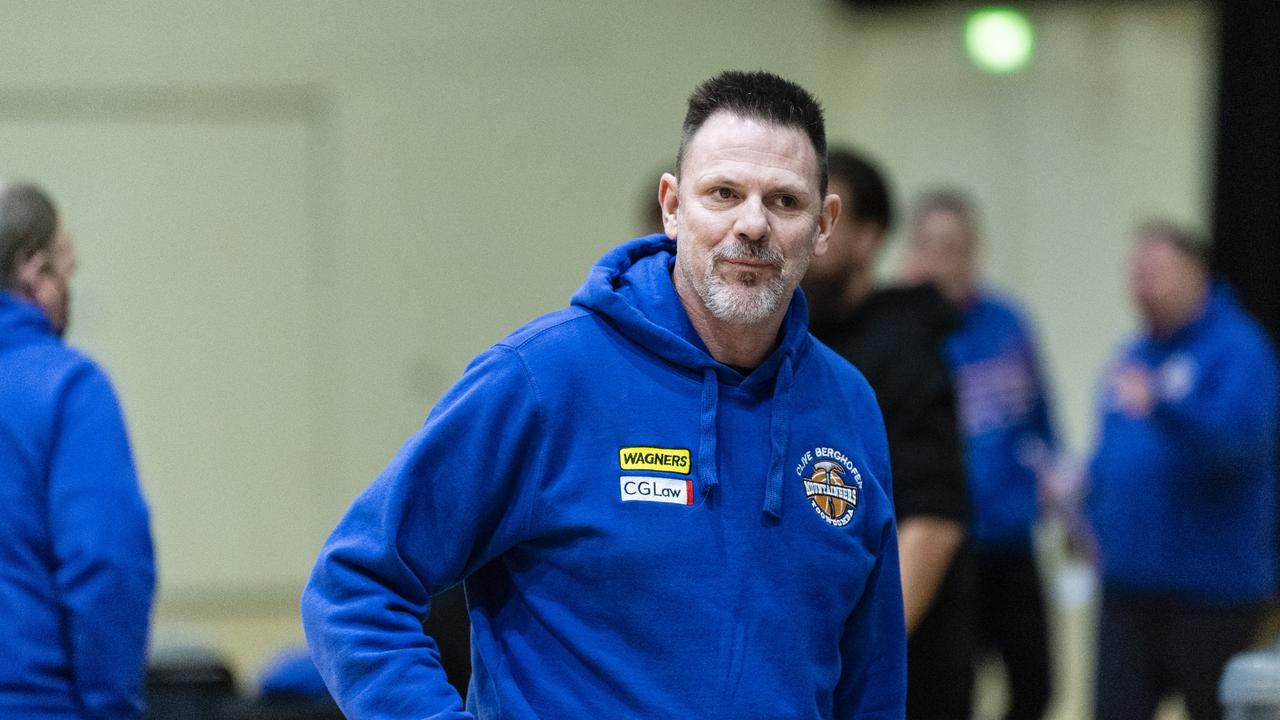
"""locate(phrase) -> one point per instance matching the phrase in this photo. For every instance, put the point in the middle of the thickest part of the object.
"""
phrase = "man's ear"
(828, 216)
(30, 271)
(669, 201)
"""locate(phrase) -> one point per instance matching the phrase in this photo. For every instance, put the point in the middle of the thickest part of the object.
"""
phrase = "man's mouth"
(750, 264)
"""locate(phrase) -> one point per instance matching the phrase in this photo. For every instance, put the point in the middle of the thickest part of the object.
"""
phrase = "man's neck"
(738, 345)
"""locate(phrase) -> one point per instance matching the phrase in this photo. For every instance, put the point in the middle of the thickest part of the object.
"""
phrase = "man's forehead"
(732, 125)
(727, 138)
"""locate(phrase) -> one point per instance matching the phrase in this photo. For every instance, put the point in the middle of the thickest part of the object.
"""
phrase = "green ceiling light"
(999, 40)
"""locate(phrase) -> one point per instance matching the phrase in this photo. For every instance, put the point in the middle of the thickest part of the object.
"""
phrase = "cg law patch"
(831, 483)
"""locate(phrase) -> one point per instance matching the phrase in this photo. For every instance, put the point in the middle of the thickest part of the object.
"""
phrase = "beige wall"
(299, 220)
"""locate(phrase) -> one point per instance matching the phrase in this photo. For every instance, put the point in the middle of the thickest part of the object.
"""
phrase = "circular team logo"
(831, 483)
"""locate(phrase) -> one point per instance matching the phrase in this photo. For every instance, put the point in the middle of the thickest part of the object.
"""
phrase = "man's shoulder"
(550, 333)
(991, 320)
(37, 381)
(845, 373)
(896, 323)
(821, 353)
(50, 363)
(999, 304)
(921, 306)
(1239, 335)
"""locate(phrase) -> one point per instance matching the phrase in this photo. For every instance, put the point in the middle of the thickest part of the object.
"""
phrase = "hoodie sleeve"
(1226, 409)
(102, 550)
(459, 493)
(873, 651)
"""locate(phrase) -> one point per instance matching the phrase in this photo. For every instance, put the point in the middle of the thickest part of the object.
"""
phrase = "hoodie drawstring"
(707, 470)
(779, 430)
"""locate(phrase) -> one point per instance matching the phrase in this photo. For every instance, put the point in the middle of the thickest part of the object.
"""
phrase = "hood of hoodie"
(631, 286)
(21, 322)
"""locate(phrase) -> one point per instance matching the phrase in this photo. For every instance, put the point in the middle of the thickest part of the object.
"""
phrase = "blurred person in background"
(1009, 442)
(894, 335)
(76, 565)
(1183, 485)
(664, 501)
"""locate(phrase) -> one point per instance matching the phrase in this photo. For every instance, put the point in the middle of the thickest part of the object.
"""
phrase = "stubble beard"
(753, 297)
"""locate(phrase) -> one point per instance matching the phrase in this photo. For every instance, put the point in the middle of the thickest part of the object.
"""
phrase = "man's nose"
(753, 222)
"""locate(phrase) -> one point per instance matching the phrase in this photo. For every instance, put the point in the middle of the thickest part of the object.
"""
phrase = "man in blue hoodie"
(1009, 442)
(666, 500)
(1183, 497)
(76, 568)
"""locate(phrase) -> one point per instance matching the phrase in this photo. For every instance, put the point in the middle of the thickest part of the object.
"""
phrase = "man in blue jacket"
(76, 568)
(667, 500)
(1009, 442)
(1183, 498)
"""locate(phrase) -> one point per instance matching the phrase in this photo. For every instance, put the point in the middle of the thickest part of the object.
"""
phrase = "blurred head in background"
(37, 257)
(943, 248)
(845, 275)
(1168, 276)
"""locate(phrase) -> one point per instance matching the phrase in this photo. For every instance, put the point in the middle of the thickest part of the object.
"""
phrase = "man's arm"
(1042, 413)
(459, 493)
(104, 567)
(929, 484)
(927, 543)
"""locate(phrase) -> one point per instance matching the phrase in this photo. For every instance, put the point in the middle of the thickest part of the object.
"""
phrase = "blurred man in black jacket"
(895, 337)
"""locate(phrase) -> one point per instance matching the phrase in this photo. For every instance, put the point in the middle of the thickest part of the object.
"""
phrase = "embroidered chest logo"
(832, 484)
(655, 488)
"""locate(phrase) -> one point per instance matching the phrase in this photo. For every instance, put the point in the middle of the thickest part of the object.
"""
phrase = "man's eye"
(787, 201)
(724, 193)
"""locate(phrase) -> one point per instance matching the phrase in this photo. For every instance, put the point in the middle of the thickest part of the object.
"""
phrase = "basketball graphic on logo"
(832, 483)
(829, 473)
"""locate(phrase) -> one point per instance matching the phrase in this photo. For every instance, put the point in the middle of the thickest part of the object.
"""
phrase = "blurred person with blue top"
(1182, 485)
(894, 335)
(1009, 441)
(76, 564)
(666, 500)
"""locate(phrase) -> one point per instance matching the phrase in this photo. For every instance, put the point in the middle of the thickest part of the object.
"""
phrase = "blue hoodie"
(632, 522)
(1004, 407)
(1184, 501)
(76, 568)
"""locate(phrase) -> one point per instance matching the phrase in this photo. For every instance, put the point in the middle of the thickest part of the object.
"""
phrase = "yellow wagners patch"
(672, 460)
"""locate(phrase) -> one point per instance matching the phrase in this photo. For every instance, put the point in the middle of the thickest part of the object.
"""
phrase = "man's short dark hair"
(760, 96)
(869, 197)
(28, 222)
(1193, 244)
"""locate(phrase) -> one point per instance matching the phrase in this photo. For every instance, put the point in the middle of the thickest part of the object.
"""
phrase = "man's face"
(747, 216)
(943, 250)
(49, 284)
(852, 247)
(1165, 283)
